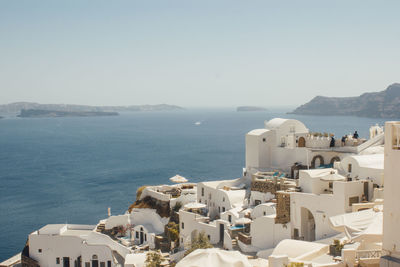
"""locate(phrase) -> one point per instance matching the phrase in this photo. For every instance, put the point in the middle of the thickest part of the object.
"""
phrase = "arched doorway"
(95, 261)
(336, 158)
(317, 161)
(302, 142)
(141, 235)
(307, 225)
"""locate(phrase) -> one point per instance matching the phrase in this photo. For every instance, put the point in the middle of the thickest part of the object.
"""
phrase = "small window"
(137, 234)
(257, 202)
(223, 199)
(230, 218)
(108, 263)
(145, 237)
(349, 168)
(330, 185)
(208, 236)
(183, 225)
(57, 260)
(223, 209)
(202, 191)
(264, 213)
(87, 264)
(199, 200)
(264, 139)
(40, 250)
(102, 264)
(296, 233)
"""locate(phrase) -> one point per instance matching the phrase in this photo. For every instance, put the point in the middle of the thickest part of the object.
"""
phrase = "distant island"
(250, 108)
(40, 113)
(15, 108)
(384, 104)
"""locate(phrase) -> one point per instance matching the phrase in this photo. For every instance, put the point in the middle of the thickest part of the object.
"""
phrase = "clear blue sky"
(196, 53)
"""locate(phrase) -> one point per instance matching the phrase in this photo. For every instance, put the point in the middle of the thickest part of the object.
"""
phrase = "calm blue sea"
(69, 170)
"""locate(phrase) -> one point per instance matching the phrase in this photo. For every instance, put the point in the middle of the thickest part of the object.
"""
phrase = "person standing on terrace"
(332, 144)
(344, 140)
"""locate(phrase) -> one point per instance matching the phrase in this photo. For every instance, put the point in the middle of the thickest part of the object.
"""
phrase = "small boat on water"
(197, 123)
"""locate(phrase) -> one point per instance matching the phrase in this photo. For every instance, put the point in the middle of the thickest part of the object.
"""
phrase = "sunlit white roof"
(214, 257)
(257, 132)
(235, 196)
(195, 205)
(373, 150)
(275, 123)
(370, 161)
(135, 259)
(297, 248)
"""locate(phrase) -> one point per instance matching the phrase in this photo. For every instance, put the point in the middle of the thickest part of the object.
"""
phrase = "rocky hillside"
(39, 113)
(250, 108)
(18, 106)
(384, 104)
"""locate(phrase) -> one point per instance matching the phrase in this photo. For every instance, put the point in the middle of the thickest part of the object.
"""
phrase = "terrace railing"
(368, 254)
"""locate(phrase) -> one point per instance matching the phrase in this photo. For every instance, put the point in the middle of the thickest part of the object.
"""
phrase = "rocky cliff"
(384, 104)
(39, 113)
(18, 106)
(250, 108)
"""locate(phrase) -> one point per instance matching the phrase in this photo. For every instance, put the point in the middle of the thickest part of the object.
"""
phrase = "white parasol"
(178, 179)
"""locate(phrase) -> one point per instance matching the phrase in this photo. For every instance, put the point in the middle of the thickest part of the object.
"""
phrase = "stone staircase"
(100, 227)
(235, 245)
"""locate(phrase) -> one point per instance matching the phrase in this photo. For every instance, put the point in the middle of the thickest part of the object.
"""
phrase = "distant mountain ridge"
(384, 104)
(18, 106)
(250, 108)
(40, 113)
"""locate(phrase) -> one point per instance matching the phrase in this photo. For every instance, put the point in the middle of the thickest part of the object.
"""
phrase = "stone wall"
(269, 186)
(28, 262)
(282, 207)
(264, 186)
(162, 243)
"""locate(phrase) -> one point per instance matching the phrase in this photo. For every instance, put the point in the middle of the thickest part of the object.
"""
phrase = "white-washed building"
(366, 167)
(391, 211)
(323, 193)
(221, 196)
(288, 145)
(75, 245)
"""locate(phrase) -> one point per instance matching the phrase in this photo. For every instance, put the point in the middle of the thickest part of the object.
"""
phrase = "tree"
(177, 206)
(173, 231)
(153, 259)
(200, 240)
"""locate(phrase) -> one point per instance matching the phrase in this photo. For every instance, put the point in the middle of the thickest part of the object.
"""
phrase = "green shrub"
(177, 206)
(140, 191)
(201, 241)
(296, 264)
(153, 259)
